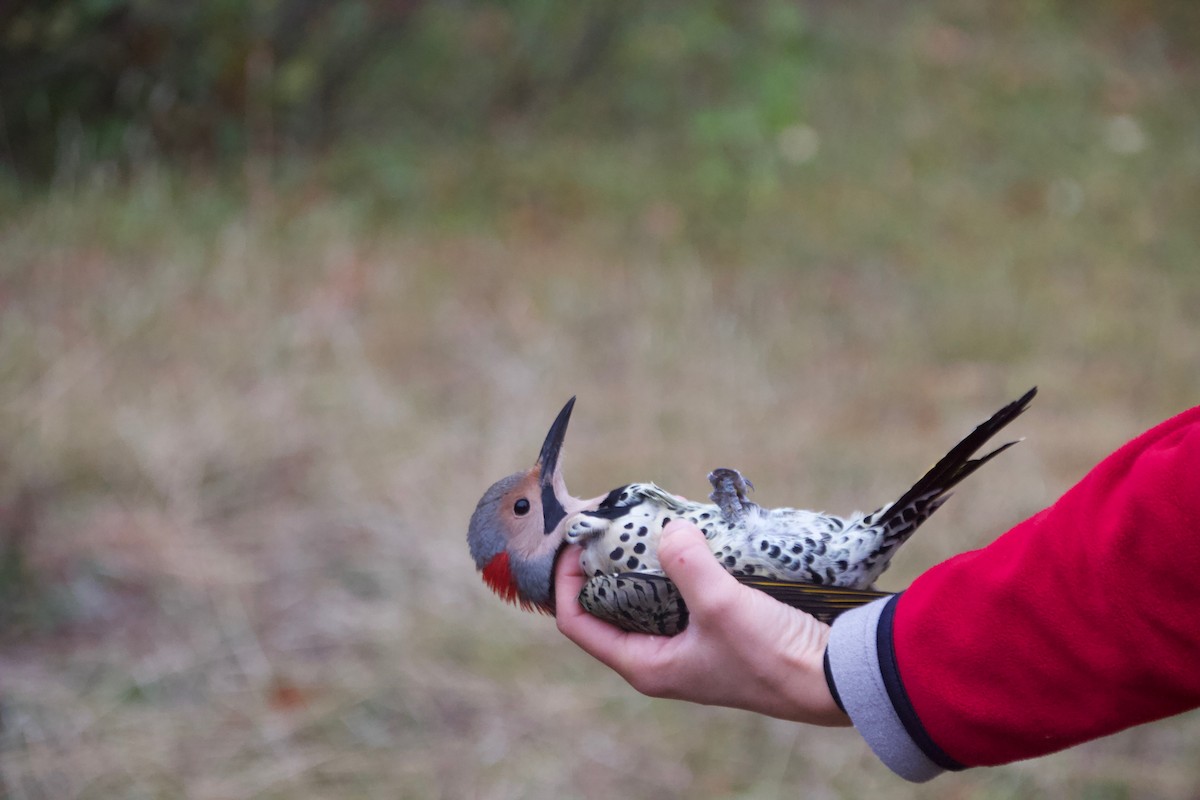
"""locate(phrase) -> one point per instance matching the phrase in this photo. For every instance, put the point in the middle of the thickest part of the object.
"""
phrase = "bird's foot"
(729, 493)
(584, 528)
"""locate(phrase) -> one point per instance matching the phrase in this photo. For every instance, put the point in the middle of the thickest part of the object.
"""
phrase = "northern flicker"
(818, 562)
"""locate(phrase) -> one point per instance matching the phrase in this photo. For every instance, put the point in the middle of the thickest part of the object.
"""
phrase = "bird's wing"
(646, 603)
(823, 602)
(659, 495)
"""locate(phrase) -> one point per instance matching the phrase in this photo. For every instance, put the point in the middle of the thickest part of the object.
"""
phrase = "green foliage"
(595, 68)
(725, 85)
(126, 81)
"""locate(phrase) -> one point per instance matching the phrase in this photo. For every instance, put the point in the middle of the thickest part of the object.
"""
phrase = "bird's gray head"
(517, 529)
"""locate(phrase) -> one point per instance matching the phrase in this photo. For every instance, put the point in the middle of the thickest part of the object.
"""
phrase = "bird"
(821, 563)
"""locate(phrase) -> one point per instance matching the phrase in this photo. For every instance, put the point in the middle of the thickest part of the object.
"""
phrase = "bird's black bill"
(548, 458)
(552, 510)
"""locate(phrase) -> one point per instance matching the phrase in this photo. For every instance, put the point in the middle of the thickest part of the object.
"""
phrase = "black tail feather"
(958, 464)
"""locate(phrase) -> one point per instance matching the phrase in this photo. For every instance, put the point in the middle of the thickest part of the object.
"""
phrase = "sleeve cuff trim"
(855, 668)
(890, 671)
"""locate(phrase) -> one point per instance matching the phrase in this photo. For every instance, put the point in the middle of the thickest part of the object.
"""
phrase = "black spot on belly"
(665, 521)
(730, 561)
(616, 554)
(705, 515)
(774, 551)
(763, 545)
(642, 531)
(639, 548)
(628, 526)
(796, 549)
(632, 563)
(624, 537)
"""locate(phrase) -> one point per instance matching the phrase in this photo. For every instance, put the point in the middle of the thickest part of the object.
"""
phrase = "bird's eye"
(521, 507)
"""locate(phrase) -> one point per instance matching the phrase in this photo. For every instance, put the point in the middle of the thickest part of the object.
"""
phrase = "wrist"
(804, 683)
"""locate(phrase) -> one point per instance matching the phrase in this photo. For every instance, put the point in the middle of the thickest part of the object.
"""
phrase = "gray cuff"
(854, 662)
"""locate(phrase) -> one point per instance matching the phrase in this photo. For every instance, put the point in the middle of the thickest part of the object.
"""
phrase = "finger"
(620, 650)
(573, 620)
(568, 580)
(626, 653)
(688, 562)
(568, 574)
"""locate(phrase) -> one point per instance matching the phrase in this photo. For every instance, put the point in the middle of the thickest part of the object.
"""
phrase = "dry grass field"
(242, 429)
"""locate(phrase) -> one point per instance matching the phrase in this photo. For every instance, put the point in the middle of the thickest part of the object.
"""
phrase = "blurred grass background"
(284, 287)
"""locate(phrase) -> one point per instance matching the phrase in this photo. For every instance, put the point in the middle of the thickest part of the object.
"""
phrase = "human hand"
(741, 649)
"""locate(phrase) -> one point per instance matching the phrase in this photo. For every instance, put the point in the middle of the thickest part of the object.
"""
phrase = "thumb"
(684, 555)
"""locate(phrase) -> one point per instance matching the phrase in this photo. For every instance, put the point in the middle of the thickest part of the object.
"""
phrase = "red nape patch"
(499, 579)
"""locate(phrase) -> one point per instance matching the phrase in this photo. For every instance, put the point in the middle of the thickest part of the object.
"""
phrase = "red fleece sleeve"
(1081, 621)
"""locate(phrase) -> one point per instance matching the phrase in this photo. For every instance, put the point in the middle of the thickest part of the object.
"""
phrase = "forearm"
(1077, 623)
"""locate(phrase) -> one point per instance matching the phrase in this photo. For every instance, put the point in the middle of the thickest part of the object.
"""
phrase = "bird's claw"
(585, 528)
(729, 493)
